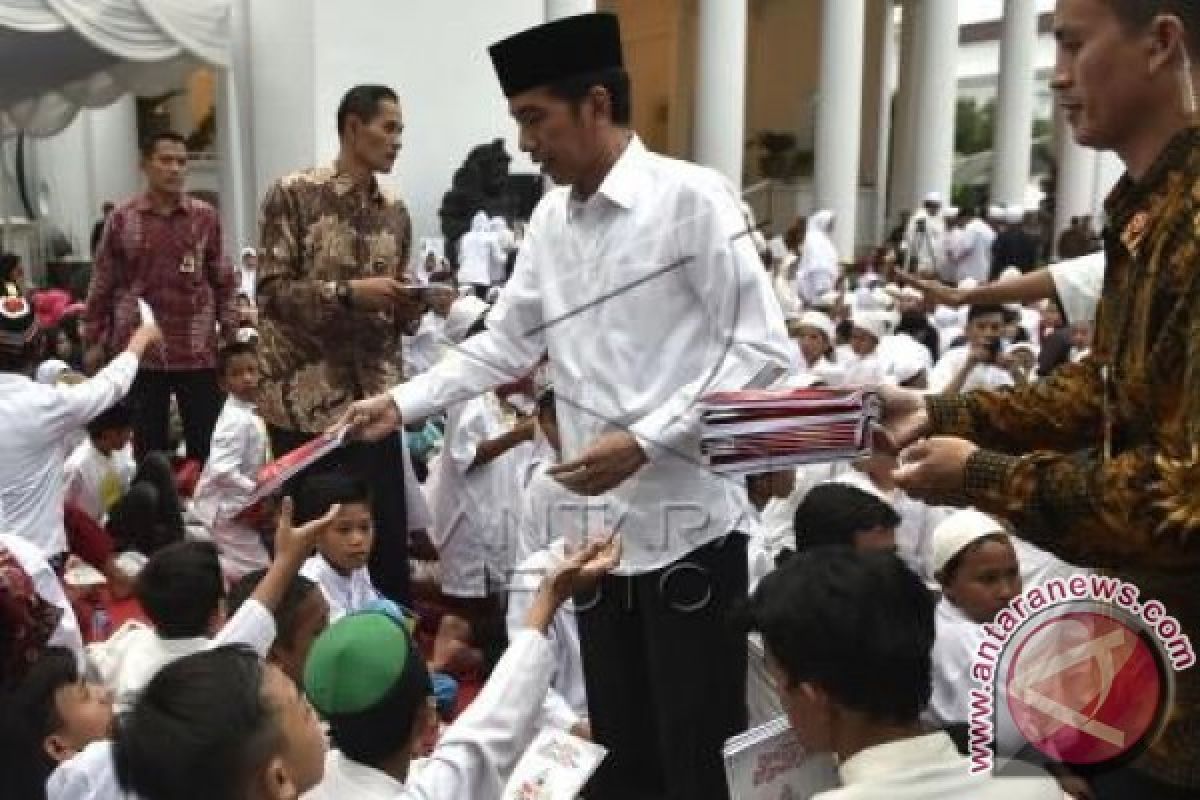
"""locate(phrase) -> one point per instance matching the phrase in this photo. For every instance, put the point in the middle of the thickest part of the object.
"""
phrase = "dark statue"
(484, 183)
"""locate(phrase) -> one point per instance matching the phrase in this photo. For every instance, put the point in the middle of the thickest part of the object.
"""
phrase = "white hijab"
(818, 270)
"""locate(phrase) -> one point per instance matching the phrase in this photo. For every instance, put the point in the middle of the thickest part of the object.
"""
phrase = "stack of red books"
(766, 430)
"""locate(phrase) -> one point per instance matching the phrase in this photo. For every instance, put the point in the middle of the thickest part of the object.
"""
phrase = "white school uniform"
(566, 701)
(982, 376)
(478, 751)
(475, 510)
(344, 594)
(95, 481)
(929, 766)
(88, 775)
(135, 653)
(47, 585)
(36, 420)
(240, 448)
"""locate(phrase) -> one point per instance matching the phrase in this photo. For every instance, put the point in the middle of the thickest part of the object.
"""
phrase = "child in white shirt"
(340, 566)
(239, 450)
(978, 363)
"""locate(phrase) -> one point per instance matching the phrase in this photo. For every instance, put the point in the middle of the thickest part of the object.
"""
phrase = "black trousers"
(665, 670)
(200, 399)
(381, 466)
(148, 517)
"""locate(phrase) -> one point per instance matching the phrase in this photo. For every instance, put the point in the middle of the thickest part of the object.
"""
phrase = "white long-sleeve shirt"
(344, 594)
(240, 448)
(95, 481)
(982, 376)
(36, 420)
(477, 752)
(645, 296)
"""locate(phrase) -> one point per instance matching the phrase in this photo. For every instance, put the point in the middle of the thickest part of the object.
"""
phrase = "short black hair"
(118, 417)
(983, 310)
(363, 102)
(324, 490)
(861, 627)
(377, 733)
(1137, 14)
(199, 730)
(8, 265)
(832, 513)
(231, 351)
(150, 143)
(30, 715)
(180, 589)
(288, 609)
(615, 80)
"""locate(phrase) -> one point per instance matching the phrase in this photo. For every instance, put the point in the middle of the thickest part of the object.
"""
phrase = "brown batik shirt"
(1099, 463)
(316, 356)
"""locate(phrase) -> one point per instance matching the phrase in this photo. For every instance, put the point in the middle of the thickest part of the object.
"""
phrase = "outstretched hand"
(905, 419)
(371, 419)
(604, 465)
(295, 544)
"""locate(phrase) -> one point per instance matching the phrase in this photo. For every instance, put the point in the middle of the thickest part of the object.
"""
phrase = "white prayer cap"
(819, 321)
(1014, 215)
(876, 323)
(462, 315)
(49, 371)
(957, 532)
(933, 197)
(951, 212)
(829, 299)
(907, 357)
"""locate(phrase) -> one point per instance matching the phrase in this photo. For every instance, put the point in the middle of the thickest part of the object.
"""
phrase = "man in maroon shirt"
(164, 246)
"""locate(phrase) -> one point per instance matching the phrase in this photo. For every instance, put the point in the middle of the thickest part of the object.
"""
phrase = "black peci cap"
(561, 49)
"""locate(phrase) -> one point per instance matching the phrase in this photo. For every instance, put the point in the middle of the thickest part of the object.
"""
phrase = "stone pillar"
(839, 117)
(937, 94)
(1014, 107)
(721, 87)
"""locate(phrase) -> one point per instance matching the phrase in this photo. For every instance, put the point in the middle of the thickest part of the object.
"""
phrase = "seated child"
(340, 566)
(57, 723)
(239, 450)
(137, 504)
(301, 616)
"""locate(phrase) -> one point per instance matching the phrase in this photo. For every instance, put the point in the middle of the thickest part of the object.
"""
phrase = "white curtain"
(156, 41)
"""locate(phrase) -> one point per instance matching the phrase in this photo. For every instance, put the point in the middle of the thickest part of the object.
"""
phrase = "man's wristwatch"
(344, 294)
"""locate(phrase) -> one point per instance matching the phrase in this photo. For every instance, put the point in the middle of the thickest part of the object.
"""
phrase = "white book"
(768, 763)
(555, 767)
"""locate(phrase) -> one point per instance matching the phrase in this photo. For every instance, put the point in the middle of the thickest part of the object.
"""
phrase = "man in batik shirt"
(1099, 463)
(333, 304)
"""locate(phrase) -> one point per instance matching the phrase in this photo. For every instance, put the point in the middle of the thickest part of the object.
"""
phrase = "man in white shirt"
(972, 255)
(848, 638)
(639, 281)
(978, 363)
(36, 419)
(925, 237)
(477, 250)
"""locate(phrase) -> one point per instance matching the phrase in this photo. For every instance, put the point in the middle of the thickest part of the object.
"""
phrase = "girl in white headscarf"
(819, 270)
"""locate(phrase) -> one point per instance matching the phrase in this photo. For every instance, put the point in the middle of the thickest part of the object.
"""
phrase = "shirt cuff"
(414, 402)
(988, 473)
(949, 415)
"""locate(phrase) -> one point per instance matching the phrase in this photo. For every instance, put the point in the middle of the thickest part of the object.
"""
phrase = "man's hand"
(610, 460)
(293, 545)
(933, 290)
(904, 416)
(376, 294)
(372, 419)
(934, 467)
(440, 297)
(579, 573)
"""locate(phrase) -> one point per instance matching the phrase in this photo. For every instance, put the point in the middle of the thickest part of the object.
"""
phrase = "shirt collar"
(622, 183)
(881, 761)
(366, 781)
(186, 204)
(343, 183)
(1128, 194)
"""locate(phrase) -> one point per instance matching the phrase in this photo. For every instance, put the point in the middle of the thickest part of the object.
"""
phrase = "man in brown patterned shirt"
(1100, 463)
(333, 303)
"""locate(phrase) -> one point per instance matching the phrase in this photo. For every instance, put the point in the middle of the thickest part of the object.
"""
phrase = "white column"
(721, 87)
(887, 85)
(1109, 169)
(1076, 180)
(904, 137)
(839, 117)
(937, 90)
(557, 9)
(1014, 106)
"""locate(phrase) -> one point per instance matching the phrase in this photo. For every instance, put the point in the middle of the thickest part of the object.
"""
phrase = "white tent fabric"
(57, 56)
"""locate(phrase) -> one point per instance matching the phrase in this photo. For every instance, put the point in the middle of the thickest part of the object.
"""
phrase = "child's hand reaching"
(292, 544)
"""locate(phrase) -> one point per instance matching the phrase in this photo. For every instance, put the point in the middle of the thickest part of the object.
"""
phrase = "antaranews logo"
(1080, 668)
